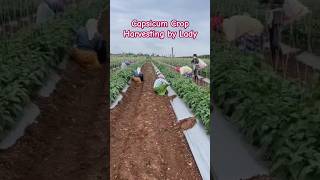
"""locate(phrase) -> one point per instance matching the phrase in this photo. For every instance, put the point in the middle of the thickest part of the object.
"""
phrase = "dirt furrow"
(144, 142)
(70, 139)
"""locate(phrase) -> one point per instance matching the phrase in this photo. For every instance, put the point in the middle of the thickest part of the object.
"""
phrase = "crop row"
(13, 9)
(119, 79)
(197, 98)
(275, 114)
(116, 60)
(304, 33)
(26, 59)
(185, 62)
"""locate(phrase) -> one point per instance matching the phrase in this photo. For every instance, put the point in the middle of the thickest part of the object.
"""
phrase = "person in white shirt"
(160, 85)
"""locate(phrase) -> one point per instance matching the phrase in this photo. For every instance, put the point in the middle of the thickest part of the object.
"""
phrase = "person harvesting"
(88, 50)
(195, 67)
(160, 85)
(138, 75)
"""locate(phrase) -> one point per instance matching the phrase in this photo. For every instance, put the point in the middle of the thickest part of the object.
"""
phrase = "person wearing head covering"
(160, 85)
(195, 66)
(47, 9)
(138, 73)
(88, 37)
(88, 46)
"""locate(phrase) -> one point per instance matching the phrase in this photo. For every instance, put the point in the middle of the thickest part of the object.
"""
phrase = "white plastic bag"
(185, 70)
(123, 65)
(202, 64)
(44, 13)
(158, 82)
(294, 10)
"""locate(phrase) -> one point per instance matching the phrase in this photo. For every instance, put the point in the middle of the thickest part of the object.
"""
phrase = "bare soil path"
(145, 144)
(69, 142)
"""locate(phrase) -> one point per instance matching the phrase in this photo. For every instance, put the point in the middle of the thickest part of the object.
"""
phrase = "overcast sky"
(197, 12)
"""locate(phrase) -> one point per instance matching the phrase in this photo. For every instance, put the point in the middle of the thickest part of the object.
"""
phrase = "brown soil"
(69, 140)
(144, 142)
(186, 124)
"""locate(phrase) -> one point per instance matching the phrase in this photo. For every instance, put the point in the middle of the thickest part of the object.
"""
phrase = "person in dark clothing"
(275, 41)
(83, 41)
(102, 28)
(89, 50)
(195, 67)
(90, 38)
(57, 6)
(275, 34)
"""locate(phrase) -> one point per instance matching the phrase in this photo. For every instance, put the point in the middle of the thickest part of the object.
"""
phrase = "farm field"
(152, 134)
(276, 115)
(116, 60)
(178, 61)
(148, 141)
(19, 14)
(183, 86)
(275, 109)
(27, 59)
(304, 33)
(68, 139)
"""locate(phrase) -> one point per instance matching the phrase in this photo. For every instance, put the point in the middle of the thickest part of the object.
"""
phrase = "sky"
(197, 12)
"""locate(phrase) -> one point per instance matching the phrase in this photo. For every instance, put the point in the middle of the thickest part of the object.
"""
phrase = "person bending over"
(160, 85)
(89, 46)
(137, 74)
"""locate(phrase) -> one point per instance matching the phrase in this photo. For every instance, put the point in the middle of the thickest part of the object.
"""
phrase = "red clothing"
(177, 69)
(217, 22)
